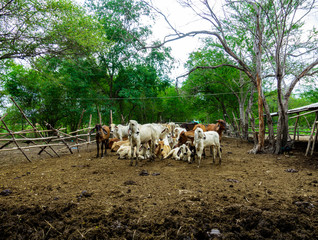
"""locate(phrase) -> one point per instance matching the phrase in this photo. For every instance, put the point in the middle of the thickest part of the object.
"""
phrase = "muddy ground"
(80, 197)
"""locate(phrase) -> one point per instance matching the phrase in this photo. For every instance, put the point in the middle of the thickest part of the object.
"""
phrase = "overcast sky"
(184, 20)
(181, 18)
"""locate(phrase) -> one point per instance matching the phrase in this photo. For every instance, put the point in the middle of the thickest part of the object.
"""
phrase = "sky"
(181, 18)
(184, 20)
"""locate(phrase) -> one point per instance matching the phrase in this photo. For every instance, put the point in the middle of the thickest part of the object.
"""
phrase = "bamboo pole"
(311, 135)
(314, 140)
(6, 144)
(303, 114)
(30, 131)
(13, 138)
(59, 137)
(34, 128)
(296, 123)
(29, 139)
(80, 130)
(35, 146)
(77, 145)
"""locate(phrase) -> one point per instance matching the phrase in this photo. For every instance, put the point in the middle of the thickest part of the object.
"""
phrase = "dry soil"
(78, 196)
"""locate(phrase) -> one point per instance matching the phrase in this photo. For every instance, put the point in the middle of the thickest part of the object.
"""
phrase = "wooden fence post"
(58, 135)
(311, 135)
(34, 128)
(13, 138)
(296, 123)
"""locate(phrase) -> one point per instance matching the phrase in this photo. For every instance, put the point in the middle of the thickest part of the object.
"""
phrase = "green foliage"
(213, 90)
(31, 28)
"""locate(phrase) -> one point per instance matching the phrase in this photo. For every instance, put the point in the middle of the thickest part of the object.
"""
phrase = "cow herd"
(150, 141)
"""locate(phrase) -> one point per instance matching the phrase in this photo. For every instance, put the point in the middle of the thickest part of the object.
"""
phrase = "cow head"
(222, 124)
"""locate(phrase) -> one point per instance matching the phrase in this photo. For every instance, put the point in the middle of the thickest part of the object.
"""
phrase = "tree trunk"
(248, 110)
(242, 120)
(258, 60)
(282, 128)
(271, 135)
(261, 134)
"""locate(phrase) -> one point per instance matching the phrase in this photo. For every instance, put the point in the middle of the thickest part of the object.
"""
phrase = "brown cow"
(117, 145)
(162, 150)
(200, 126)
(188, 126)
(102, 136)
(219, 127)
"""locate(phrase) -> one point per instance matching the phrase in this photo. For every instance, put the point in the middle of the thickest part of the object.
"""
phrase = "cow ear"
(105, 131)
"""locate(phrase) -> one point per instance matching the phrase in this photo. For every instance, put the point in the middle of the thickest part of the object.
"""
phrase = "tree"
(30, 28)
(220, 81)
(123, 26)
(268, 33)
(53, 90)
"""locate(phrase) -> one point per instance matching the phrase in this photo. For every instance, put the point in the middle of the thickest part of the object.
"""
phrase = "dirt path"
(78, 196)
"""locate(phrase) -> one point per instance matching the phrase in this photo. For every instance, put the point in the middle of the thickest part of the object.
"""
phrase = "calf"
(125, 152)
(186, 153)
(207, 139)
(187, 138)
(162, 150)
(175, 153)
(139, 134)
(119, 131)
(118, 144)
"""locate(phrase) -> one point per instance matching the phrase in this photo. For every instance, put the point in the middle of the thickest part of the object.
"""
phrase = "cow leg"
(97, 144)
(137, 154)
(213, 153)
(152, 150)
(219, 153)
(194, 153)
(106, 144)
(102, 149)
(131, 154)
(199, 159)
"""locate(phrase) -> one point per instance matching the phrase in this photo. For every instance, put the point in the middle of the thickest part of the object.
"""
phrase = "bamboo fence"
(50, 141)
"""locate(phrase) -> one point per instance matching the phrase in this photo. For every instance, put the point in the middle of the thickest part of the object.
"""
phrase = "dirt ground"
(79, 196)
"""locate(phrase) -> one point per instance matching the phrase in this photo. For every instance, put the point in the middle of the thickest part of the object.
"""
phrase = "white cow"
(119, 131)
(139, 134)
(125, 152)
(176, 153)
(207, 139)
(186, 153)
